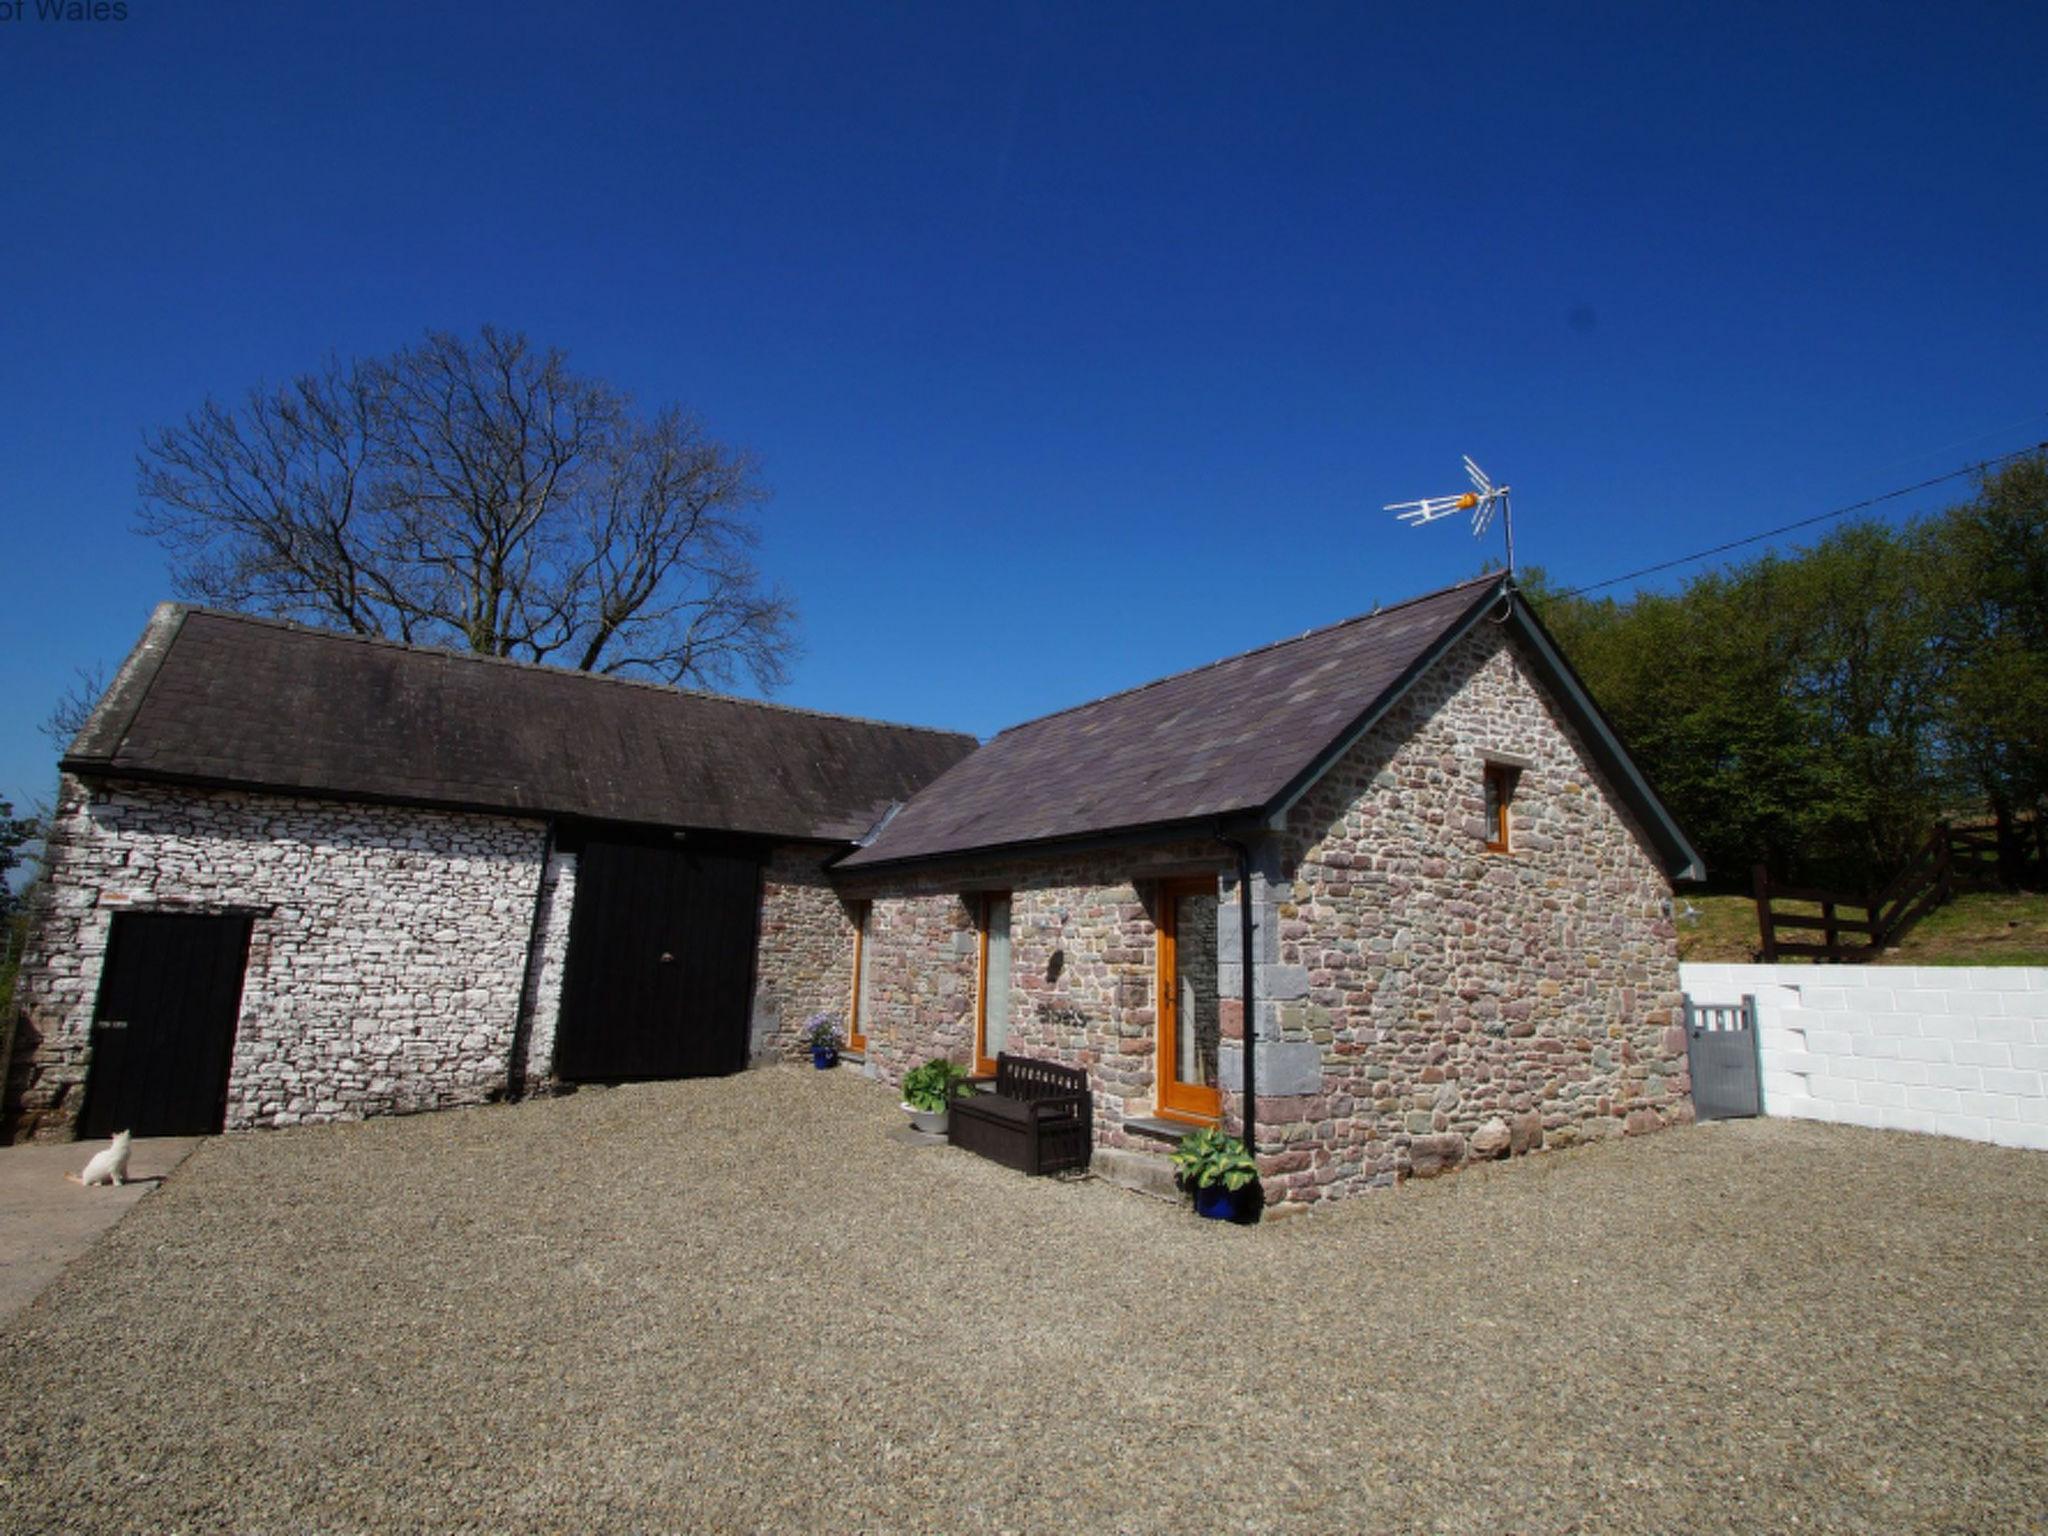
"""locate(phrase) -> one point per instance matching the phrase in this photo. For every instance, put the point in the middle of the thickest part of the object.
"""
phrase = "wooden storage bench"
(1039, 1119)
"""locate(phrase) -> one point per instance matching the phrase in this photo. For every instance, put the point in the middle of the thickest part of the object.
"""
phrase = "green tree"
(1784, 709)
(1699, 693)
(15, 833)
(1990, 558)
(1856, 621)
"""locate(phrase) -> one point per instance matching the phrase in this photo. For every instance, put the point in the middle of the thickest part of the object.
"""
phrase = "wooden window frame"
(856, 1034)
(1172, 1099)
(1498, 794)
(985, 1064)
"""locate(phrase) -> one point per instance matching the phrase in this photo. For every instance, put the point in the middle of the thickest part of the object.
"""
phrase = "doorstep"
(1134, 1168)
(1160, 1130)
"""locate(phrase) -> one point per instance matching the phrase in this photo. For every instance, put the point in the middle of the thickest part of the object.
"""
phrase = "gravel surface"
(741, 1305)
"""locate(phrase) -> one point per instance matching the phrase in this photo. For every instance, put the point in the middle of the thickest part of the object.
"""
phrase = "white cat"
(108, 1167)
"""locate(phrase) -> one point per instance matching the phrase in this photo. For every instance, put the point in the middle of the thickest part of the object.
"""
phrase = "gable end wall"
(1431, 987)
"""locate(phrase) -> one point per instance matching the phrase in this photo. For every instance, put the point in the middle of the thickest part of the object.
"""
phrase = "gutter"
(1250, 1097)
(1179, 829)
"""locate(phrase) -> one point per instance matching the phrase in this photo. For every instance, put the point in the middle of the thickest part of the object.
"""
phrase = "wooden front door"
(660, 974)
(163, 1032)
(1189, 1030)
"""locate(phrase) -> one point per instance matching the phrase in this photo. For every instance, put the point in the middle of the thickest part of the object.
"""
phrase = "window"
(857, 1009)
(1501, 779)
(992, 986)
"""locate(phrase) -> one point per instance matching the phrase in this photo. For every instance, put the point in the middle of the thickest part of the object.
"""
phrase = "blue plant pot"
(1220, 1203)
(823, 1057)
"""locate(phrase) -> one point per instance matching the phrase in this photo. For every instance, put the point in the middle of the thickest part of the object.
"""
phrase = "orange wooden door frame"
(984, 1064)
(1176, 1100)
(856, 1026)
(1501, 781)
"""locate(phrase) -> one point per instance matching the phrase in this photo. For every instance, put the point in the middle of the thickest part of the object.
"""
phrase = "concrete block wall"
(1955, 1051)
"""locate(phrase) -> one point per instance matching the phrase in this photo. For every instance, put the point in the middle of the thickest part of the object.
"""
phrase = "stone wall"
(804, 960)
(540, 1001)
(1083, 951)
(396, 956)
(1428, 1001)
(386, 961)
(1419, 1001)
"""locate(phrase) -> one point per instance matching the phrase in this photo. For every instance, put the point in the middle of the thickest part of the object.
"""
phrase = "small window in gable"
(1501, 779)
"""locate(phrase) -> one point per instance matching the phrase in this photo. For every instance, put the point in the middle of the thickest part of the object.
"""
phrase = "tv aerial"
(1480, 501)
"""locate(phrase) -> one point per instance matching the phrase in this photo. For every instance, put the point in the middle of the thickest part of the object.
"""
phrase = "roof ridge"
(1270, 645)
(452, 654)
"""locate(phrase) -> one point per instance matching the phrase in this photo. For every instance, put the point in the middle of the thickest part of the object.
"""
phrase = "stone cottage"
(1406, 850)
(1456, 884)
(301, 876)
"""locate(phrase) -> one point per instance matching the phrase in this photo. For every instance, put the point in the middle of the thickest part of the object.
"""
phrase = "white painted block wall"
(1957, 1051)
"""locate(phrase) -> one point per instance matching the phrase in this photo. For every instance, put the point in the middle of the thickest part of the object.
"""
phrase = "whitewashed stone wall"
(386, 962)
(541, 1000)
(1952, 1050)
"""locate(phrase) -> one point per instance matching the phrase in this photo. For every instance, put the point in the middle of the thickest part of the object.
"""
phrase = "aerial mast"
(1480, 501)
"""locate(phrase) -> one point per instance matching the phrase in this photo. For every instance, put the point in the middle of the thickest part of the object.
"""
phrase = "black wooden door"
(661, 963)
(163, 1031)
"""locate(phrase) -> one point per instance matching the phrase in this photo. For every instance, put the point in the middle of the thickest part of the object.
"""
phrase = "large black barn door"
(163, 1032)
(661, 963)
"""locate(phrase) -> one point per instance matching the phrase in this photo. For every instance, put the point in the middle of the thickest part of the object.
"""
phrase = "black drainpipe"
(1250, 1095)
(522, 1022)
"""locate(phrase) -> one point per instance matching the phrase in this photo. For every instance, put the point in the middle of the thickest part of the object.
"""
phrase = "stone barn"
(1457, 888)
(1399, 869)
(300, 876)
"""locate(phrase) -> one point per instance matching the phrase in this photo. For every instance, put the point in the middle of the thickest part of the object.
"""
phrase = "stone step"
(1149, 1173)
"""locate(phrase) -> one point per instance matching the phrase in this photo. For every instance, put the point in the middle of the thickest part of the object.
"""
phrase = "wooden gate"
(1721, 1051)
(660, 974)
(163, 1033)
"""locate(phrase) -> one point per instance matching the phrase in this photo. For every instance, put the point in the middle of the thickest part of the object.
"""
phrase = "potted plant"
(1218, 1170)
(929, 1090)
(821, 1035)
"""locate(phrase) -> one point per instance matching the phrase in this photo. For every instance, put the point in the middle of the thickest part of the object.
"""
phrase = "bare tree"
(70, 713)
(475, 492)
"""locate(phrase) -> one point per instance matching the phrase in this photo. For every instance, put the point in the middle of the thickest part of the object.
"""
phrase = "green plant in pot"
(1218, 1170)
(929, 1090)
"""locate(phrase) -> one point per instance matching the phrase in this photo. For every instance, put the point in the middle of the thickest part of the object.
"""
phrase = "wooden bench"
(1039, 1119)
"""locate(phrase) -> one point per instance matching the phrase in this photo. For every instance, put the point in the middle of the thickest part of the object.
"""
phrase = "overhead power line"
(1808, 522)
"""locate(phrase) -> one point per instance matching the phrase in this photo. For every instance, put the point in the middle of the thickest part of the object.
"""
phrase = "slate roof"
(227, 699)
(1221, 740)
(1228, 742)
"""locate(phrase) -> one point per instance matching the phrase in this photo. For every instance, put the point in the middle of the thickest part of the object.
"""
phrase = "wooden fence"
(1853, 928)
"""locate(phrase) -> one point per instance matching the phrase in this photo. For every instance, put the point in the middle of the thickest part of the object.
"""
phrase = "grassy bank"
(1977, 928)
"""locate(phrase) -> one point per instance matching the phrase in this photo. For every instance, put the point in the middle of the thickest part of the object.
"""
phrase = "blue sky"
(1079, 343)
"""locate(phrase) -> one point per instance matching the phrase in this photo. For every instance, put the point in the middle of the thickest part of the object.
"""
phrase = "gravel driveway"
(740, 1305)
